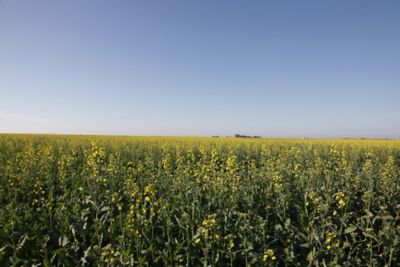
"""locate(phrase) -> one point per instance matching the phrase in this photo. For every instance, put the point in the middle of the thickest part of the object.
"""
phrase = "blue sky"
(198, 68)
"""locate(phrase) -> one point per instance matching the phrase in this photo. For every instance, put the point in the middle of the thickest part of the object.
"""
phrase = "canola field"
(158, 201)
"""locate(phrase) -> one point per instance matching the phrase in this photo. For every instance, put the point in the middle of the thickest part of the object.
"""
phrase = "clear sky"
(271, 68)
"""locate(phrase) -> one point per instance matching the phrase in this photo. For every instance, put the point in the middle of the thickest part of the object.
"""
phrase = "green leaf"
(350, 229)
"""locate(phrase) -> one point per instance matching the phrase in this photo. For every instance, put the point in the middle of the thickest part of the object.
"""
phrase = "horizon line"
(199, 136)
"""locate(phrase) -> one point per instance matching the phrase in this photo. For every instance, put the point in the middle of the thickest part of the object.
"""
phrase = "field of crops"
(153, 201)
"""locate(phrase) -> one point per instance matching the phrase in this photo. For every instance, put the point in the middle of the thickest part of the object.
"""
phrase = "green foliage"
(122, 201)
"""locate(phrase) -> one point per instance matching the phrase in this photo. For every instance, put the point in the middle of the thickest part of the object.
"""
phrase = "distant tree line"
(239, 136)
(246, 136)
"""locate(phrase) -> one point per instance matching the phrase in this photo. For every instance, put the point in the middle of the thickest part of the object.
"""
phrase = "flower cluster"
(340, 199)
(269, 254)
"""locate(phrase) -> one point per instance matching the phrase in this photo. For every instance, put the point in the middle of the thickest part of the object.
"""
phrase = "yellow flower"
(268, 254)
(114, 197)
(147, 199)
(210, 221)
(265, 258)
(329, 237)
(231, 244)
(340, 198)
(149, 189)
